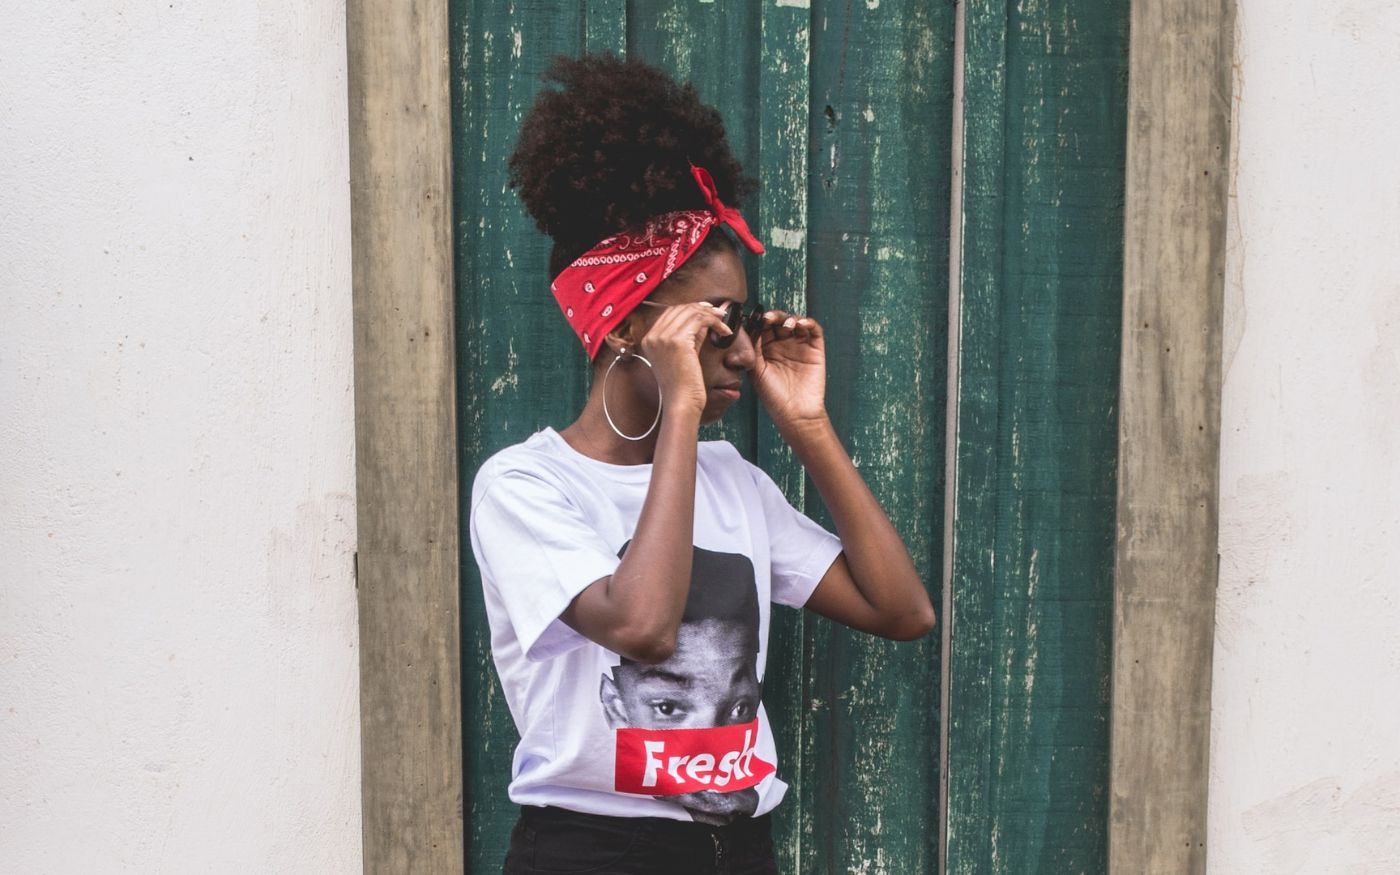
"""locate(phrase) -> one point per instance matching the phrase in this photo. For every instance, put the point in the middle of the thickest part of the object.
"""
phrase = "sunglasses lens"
(735, 317)
(754, 322)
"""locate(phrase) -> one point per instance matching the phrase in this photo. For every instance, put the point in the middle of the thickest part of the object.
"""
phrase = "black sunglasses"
(735, 316)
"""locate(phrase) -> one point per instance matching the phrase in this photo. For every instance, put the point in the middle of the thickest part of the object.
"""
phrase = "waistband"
(740, 828)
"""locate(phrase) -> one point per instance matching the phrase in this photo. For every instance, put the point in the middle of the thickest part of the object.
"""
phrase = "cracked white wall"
(1305, 750)
(179, 685)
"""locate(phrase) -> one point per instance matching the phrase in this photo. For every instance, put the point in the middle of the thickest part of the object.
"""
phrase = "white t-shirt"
(685, 739)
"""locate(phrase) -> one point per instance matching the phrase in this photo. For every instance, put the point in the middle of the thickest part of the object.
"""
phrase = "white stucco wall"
(1305, 752)
(178, 665)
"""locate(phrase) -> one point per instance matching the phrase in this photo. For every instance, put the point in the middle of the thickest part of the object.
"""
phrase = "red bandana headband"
(600, 287)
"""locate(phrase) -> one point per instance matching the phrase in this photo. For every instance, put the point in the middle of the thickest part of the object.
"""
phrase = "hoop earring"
(608, 373)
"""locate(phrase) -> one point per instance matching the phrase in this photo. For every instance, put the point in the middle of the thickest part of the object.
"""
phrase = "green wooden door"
(845, 113)
(1039, 305)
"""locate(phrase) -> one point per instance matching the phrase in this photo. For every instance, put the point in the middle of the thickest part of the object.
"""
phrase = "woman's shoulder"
(535, 458)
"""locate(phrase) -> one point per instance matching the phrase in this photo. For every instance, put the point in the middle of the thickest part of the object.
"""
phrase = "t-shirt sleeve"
(537, 551)
(800, 550)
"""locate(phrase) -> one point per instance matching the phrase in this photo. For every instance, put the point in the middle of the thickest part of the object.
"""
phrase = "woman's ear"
(627, 335)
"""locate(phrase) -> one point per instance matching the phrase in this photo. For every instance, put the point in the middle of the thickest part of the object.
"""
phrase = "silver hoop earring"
(608, 373)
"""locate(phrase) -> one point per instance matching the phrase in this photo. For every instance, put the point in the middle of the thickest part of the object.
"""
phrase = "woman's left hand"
(789, 372)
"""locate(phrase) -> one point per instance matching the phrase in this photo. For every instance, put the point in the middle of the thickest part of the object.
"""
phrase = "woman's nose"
(741, 354)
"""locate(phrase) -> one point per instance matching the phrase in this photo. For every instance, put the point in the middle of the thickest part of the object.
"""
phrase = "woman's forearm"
(880, 565)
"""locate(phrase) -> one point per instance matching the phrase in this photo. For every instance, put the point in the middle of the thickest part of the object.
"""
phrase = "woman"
(629, 568)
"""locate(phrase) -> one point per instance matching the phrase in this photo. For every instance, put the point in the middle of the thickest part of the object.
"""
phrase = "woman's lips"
(731, 391)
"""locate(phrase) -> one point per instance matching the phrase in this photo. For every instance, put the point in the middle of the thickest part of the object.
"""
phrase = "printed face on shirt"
(710, 680)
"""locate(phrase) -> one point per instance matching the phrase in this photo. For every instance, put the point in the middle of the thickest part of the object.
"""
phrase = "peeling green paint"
(1033, 527)
(856, 717)
(844, 111)
(508, 381)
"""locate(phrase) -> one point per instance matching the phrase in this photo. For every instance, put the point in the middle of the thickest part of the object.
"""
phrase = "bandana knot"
(726, 214)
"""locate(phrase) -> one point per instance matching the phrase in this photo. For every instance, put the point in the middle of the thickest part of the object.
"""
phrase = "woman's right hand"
(672, 345)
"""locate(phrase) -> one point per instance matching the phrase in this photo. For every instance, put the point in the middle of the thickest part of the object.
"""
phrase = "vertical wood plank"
(878, 188)
(405, 436)
(1039, 313)
(976, 466)
(784, 94)
(784, 107)
(605, 26)
(680, 36)
(1169, 433)
(519, 367)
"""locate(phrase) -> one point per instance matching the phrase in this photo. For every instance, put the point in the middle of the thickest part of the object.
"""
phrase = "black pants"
(553, 840)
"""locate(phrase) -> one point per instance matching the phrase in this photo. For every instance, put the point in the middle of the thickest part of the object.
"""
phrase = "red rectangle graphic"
(669, 762)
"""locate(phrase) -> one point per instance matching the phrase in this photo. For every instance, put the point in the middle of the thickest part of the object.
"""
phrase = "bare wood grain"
(405, 435)
(1169, 433)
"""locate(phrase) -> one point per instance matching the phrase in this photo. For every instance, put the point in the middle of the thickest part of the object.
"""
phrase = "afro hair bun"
(612, 147)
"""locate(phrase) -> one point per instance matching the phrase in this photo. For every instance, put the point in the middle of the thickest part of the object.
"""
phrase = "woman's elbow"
(648, 647)
(912, 625)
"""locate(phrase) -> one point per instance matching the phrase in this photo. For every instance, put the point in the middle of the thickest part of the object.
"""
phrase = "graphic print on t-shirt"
(686, 729)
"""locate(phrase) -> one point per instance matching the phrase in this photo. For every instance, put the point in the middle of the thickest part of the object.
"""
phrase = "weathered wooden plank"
(1039, 311)
(518, 366)
(880, 133)
(1169, 433)
(681, 36)
(781, 281)
(605, 26)
(405, 435)
(977, 465)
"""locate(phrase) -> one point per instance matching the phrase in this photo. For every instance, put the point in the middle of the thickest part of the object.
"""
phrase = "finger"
(797, 327)
(784, 329)
(689, 320)
(701, 322)
(702, 310)
(713, 317)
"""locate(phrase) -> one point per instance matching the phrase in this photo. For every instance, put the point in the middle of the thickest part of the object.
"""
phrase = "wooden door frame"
(1166, 562)
(406, 453)
(405, 436)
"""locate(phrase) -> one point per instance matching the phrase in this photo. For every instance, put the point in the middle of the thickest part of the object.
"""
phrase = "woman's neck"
(592, 436)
